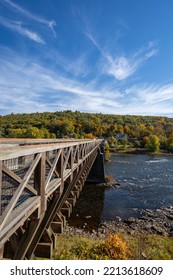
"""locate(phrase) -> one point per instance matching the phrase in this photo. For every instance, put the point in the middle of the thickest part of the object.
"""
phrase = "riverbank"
(157, 222)
(113, 238)
(85, 220)
(140, 151)
(147, 235)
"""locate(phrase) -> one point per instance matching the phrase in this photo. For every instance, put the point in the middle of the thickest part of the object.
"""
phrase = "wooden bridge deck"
(39, 182)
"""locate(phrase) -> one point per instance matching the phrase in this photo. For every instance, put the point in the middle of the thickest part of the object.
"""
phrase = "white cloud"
(17, 27)
(150, 99)
(121, 66)
(27, 86)
(153, 94)
(49, 23)
(76, 66)
(93, 40)
(151, 53)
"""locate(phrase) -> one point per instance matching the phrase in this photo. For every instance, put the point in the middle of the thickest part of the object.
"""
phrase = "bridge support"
(97, 173)
(44, 185)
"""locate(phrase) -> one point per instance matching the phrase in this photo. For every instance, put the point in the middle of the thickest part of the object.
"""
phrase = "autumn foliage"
(146, 132)
(114, 248)
(111, 248)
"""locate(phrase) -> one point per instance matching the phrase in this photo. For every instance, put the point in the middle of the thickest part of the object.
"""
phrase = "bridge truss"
(40, 181)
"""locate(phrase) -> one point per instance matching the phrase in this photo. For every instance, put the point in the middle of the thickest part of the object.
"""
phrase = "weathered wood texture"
(38, 179)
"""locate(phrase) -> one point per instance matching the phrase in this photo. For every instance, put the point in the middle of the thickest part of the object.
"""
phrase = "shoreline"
(153, 222)
(157, 222)
(140, 152)
(149, 221)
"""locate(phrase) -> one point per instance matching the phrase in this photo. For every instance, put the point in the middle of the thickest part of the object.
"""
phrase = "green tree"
(153, 144)
(170, 142)
(16, 133)
(107, 152)
(33, 132)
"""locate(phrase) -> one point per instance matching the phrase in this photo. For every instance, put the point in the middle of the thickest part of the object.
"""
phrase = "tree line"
(149, 132)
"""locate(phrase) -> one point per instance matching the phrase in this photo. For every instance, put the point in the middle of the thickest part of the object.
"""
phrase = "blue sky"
(100, 56)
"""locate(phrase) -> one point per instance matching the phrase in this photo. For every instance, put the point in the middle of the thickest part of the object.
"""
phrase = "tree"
(153, 144)
(107, 152)
(16, 133)
(33, 132)
(89, 136)
(170, 142)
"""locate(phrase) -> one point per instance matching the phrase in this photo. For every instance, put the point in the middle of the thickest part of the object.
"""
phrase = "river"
(147, 181)
(147, 184)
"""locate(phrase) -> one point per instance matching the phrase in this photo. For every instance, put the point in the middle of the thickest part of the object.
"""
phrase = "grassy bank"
(149, 247)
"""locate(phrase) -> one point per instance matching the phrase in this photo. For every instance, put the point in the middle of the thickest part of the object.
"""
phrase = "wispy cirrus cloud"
(152, 94)
(76, 66)
(28, 86)
(120, 67)
(123, 66)
(17, 27)
(49, 23)
(93, 40)
(149, 99)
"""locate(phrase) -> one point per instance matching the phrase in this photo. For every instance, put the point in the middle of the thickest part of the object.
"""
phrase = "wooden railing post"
(39, 182)
(60, 168)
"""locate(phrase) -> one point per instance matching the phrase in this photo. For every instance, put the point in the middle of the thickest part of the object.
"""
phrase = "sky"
(97, 56)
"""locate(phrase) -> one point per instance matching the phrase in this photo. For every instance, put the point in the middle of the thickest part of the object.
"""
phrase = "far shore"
(141, 152)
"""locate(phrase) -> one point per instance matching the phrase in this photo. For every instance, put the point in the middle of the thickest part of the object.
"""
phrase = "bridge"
(40, 181)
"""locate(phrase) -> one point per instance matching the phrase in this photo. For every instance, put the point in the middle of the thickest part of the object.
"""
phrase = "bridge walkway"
(40, 181)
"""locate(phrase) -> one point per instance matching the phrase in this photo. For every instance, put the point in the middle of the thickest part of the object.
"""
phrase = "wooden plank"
(18, 151)
(39, 182)
(67, 158)
(50, 165)
(26, 239)
(53, 185)
(67, 173)
(18, 217)
(66, 211)
(52, 169)
(61, 171)
(14, 241)
(17, 179)
(57, 227)
(72, 200)
(28, 141)
(44, 250)
(52, 235)
(75, 154)
(18, 192)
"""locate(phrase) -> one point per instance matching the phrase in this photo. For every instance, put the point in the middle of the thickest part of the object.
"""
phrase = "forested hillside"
(150, 132)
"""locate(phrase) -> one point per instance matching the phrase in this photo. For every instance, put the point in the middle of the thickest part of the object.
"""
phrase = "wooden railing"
(31, 171)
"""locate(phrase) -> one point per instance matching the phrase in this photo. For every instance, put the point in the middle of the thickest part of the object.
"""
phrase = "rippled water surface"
(147, 181)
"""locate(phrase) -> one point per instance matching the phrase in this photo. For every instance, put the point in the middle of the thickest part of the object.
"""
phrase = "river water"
(147, 181)
(147, 184)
